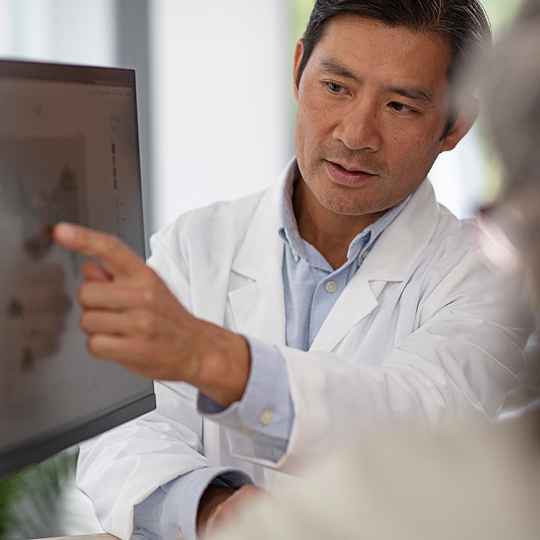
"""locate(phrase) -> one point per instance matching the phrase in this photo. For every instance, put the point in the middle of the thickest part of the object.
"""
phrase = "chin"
(345, 207)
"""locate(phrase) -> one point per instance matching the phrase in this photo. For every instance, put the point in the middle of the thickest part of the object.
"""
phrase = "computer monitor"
(68, 152)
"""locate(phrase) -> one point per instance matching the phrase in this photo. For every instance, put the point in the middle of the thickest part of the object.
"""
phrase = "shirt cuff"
(265, 414)
(173, 507)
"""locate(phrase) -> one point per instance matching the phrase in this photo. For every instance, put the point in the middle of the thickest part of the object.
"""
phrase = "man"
(342, 297)
(466, 481)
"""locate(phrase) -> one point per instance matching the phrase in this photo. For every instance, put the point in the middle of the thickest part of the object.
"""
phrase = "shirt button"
(245, 430)
(365, 254)
(330, 286)
(266, 417)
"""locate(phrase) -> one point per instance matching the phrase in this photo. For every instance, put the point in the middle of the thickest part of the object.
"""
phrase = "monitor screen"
(68, 152)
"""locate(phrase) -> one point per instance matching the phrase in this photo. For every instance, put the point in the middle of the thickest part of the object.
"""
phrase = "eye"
(401, 107)
(335, 88)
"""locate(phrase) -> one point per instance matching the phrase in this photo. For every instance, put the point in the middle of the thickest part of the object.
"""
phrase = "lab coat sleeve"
(122, 467)
(174, 506)
(260, 423)
(461, 359)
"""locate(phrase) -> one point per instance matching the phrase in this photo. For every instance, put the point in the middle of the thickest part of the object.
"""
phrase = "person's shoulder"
(217, 220)
(226, 219)
(453, 235)
(451, 256)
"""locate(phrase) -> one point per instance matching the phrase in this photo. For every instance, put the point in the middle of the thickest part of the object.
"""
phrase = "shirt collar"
(288, 227)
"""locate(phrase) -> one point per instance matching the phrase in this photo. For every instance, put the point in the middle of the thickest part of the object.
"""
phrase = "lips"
(348, 175)
(350, 170)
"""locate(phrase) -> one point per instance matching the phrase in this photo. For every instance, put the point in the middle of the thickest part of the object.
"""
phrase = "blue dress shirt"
(311, 288)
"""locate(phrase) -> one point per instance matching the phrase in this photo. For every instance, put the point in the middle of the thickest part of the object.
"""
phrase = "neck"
(330, 233)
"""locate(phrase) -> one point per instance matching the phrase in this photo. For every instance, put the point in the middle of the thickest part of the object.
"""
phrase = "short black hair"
(462, 23)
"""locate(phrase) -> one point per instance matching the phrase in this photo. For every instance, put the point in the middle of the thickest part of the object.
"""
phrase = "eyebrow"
(415, 94)
(337, 68)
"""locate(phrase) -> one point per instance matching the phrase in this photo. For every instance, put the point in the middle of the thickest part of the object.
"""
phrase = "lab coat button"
(245, 430)
(331, 287)
(266, 417)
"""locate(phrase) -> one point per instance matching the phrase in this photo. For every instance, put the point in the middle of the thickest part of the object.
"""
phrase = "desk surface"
(101, 536)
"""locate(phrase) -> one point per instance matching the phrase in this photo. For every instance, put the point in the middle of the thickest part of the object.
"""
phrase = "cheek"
(411, 158)
(416, 146)
(314, 118)
(305, 133)
(299, 135)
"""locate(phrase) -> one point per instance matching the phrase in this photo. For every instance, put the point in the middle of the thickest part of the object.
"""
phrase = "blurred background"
(216, 108)
(216, 114)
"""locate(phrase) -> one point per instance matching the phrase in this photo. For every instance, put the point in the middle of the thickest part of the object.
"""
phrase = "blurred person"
(466, 481)
(342, 297)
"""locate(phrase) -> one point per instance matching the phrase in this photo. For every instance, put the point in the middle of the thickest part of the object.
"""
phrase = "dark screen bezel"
(42, 447)
(46, 445)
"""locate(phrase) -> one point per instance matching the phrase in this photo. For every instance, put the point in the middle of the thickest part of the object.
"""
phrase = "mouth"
(346, 174)
(350, 170)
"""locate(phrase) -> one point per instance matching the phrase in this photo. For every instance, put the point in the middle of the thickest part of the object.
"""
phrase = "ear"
(466, 118)
(298, 53)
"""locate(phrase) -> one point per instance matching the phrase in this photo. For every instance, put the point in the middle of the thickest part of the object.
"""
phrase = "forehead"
(369, 47)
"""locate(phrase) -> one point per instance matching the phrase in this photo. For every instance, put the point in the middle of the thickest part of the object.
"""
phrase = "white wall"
(459, 177)
(76, 31)
(220, 90)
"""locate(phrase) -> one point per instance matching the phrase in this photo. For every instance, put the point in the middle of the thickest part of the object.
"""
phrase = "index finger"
(117, 258)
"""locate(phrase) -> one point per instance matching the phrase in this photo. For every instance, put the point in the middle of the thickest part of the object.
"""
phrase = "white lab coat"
(422, 331)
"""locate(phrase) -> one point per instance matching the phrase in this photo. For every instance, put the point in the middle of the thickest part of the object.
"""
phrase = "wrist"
(212, 497)
(225, 368)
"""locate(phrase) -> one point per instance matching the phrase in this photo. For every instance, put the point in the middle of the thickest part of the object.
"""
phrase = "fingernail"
(66, 232)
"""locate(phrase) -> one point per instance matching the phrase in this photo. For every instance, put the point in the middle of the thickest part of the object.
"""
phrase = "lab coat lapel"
(391, 259)
(259, 307)
(356, 301)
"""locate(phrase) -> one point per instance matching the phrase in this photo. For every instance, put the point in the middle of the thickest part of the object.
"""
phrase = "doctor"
(341, 297)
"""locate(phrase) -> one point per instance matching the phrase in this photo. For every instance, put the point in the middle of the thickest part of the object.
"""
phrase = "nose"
(358, 128)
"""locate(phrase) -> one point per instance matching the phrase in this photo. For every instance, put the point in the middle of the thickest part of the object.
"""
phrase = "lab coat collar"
(390, 259)
(260, 258)
(261, 252)
(400, 245)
